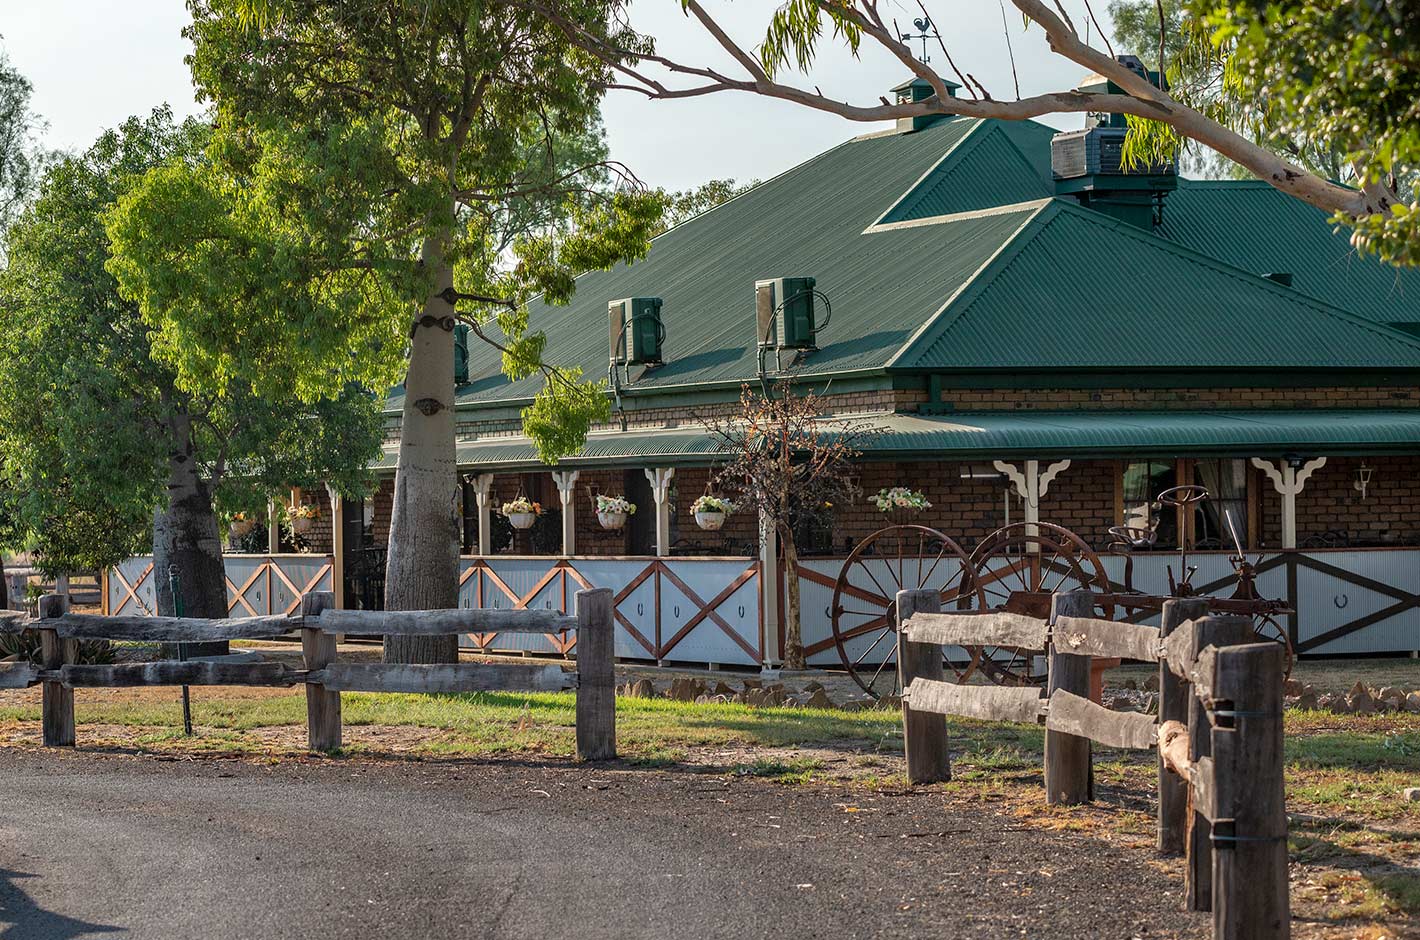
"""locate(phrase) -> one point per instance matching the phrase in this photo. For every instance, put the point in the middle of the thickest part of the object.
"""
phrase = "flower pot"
(241, 527)
(611, 520)
(709, 521)
(522, 520)
(301, 525)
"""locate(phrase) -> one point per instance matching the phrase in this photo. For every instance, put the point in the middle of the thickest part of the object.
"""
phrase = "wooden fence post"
(1069, 776)
(57, 702)
(924, 735)
(323, 725)
(1198, 867)
(596, 675)
(1174, 695)
(1250, 834)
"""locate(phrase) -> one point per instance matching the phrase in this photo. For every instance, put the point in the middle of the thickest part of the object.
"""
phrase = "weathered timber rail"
(1219, 737)
(323, 677)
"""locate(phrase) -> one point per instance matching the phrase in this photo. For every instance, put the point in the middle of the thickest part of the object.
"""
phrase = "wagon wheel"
(1267, 628)
(1018, 567)
(864, 609)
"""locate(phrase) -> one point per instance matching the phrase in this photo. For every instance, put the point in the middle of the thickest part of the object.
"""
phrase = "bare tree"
(795, 30)
(792, 464)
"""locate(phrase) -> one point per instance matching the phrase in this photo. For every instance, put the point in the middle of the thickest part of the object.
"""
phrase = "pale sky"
(95, 62)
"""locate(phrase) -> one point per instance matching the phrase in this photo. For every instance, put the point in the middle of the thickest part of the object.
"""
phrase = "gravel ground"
(94, 843)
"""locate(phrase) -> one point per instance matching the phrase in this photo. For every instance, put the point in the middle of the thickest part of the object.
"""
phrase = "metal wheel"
(1017, 568)
(1268, 628)
(864, 610)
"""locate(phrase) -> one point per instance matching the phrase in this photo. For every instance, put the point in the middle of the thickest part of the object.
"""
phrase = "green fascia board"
(1077, 290)
(1260, 433)
(1008, 434)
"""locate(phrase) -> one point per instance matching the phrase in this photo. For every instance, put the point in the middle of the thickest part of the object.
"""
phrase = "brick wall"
(1162, 399)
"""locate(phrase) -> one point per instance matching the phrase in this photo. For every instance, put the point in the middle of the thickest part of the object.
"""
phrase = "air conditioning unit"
(636, 331)
(1095, 151)
(784, 312)
(461, 332)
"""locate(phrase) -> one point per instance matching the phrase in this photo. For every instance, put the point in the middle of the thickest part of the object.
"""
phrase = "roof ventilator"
(636, 333)
(1089, 164)
(785, 317)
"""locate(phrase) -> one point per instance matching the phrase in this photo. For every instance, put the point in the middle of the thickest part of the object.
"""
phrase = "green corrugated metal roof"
(1188, 433)
(1012, 433)
(1263, 231)
(986, 169)
(808, 221)
(1077, 289)
(967, 273)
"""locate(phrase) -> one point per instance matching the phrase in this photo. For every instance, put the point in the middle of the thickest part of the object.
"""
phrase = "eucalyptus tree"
(104, 449)
(20, 155)
(387, 168)
(1336, 71)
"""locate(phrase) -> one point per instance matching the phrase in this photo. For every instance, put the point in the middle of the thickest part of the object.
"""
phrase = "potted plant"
(301, 517)
(521, 512)
(710, 511)
(613, 510)
(900, 500)
(240, 525)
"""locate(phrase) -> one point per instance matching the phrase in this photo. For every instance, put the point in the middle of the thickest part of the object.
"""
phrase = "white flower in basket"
(900, 498)
(522, 512)
(711, 511)
(613, 510)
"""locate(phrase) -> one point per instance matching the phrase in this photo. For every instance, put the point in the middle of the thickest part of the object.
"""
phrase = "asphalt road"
(93, 845)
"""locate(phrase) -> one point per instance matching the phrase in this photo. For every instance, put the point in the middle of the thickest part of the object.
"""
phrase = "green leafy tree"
(103, 450)
(686, 204)
(20, 155)
(1339, 73)
(381, 169)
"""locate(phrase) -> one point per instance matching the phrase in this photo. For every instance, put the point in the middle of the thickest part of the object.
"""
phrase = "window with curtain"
(1226, 482)
(1144, 480)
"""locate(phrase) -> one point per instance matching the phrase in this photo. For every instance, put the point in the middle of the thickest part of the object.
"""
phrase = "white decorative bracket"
(483, 492)
(660, 479)
(1289, 482)
(566, 481)
(1031, 483)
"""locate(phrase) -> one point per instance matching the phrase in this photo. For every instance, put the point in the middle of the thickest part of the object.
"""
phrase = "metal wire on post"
(174, 582)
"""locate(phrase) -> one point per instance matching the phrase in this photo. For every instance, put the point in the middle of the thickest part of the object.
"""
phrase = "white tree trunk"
(793, 635)
(423, 568)
(185, 539)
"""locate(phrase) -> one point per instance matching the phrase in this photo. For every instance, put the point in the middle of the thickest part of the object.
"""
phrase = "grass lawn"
(1355, 842)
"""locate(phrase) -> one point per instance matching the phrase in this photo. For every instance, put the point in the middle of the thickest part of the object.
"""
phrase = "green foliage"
(1332, 85)
(20, 158)
(26, 645)
(90, 418)
(686, 204)
(364, 151)
(795, 31)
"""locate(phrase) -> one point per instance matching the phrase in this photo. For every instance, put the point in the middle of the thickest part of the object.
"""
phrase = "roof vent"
(918, 89)
(636, 331)
(1089, 164)
(1281, 277)
(784, 312)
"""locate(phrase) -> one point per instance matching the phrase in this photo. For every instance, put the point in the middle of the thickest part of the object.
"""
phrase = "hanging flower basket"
(522, 512)
(711, 512)
(240, 526)
(613, 510)
(302, 517)
(900, 500)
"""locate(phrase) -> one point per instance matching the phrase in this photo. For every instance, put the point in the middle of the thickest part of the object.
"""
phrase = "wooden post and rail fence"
(322, 674)
(1218, 736)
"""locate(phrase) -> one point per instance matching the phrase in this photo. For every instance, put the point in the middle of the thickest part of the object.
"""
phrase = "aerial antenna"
(925, 31)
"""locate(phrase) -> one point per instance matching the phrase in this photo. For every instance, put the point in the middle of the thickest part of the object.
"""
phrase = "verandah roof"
(988, 435)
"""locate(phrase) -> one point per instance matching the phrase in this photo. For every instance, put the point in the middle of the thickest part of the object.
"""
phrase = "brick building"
(1036, 340)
